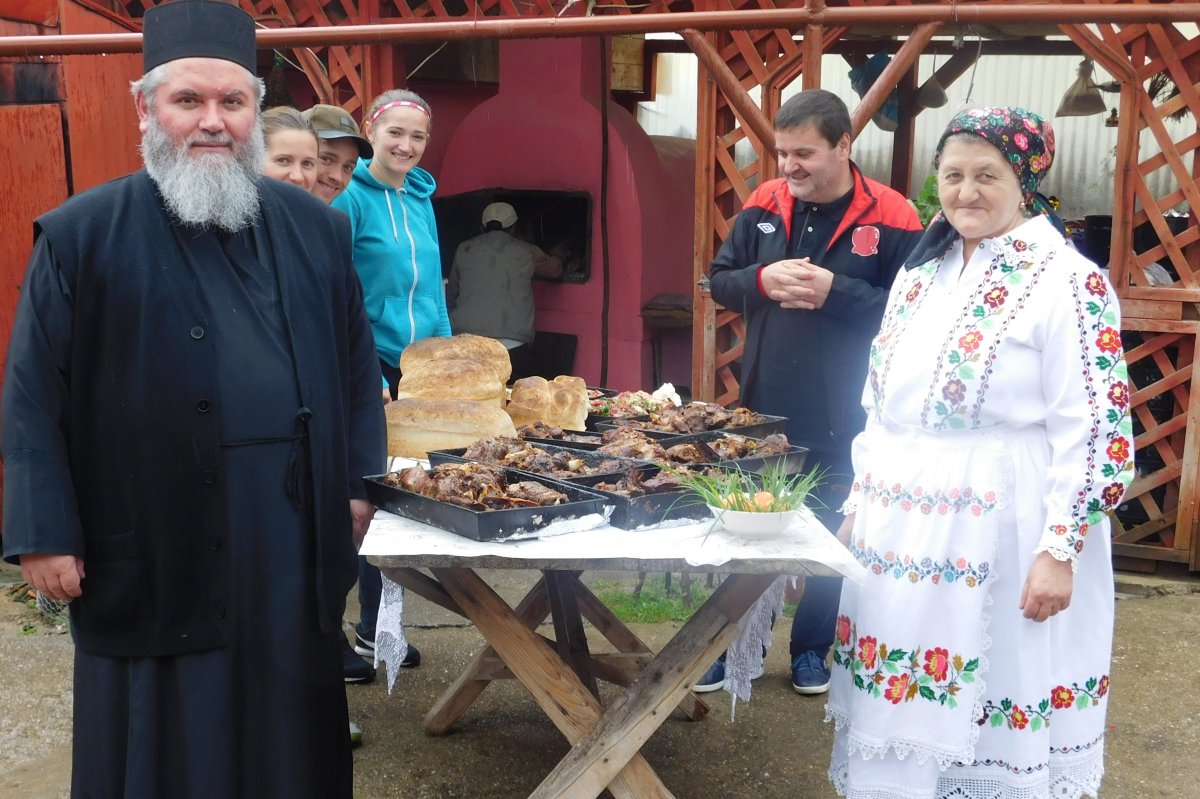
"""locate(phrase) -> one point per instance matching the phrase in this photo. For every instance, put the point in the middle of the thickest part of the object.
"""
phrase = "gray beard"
(213, 189)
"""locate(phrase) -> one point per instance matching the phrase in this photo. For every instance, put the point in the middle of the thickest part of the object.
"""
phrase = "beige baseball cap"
(503, 213)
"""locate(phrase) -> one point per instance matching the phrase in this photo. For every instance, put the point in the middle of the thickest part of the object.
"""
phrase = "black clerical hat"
(197, 29)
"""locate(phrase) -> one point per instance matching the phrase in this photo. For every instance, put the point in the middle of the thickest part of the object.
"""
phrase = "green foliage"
(654, 604)
(927, 201)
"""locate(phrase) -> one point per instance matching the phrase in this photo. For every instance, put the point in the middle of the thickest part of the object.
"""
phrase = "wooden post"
(905, 135)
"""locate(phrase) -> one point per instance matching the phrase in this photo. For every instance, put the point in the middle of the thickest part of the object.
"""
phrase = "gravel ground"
(777, 748)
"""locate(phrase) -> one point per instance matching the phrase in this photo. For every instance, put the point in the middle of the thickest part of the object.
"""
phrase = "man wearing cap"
(489, 291)
(190, 400)
(341, 145)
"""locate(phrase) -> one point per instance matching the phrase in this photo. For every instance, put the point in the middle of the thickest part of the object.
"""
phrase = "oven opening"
(559, 222)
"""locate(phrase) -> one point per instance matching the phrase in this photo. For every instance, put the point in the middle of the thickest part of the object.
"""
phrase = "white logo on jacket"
(766, 227)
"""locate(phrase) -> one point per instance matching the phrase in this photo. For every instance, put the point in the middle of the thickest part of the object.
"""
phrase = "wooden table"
(561, 674)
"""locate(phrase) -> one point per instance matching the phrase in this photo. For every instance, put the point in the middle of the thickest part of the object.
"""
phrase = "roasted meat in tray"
(513, 453)
(480, 501)
(700, 417)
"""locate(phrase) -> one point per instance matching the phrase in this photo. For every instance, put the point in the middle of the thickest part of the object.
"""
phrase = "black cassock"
(264, 716)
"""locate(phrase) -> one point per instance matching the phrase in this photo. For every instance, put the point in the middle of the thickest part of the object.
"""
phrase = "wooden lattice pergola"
(768, 44)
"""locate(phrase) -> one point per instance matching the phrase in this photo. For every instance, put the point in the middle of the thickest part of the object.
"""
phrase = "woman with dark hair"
(973, 661)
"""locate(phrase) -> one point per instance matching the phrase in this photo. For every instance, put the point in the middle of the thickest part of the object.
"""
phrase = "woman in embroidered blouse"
(973, 660)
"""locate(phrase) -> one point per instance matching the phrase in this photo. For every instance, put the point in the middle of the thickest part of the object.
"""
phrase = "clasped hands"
(797, 283)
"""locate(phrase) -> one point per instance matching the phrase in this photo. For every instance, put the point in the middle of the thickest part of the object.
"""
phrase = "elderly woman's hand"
(1047, 587)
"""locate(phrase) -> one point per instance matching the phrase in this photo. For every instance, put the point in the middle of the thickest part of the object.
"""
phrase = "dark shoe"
(364, 646)
(713, 679)
(354, 668)
(810, 676)
(412, 658)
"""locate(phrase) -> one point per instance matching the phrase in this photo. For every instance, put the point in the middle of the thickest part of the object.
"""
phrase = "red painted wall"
(542, 131)
(101, 121)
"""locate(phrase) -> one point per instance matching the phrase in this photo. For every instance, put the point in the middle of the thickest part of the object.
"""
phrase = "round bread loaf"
(415, 426)
(452, 378)
(561, 402)
(464, 346)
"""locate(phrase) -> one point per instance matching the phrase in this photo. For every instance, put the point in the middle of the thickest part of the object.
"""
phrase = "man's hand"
(361, 513)
(1047, 588)
(56, 576)
(797, 283)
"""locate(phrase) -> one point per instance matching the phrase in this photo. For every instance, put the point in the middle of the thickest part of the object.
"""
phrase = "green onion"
(735, 488)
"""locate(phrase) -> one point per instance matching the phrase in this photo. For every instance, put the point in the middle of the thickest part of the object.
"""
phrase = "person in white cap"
(190, 403)
(489, 291)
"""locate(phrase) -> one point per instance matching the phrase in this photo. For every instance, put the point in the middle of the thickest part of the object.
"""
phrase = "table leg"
(532, 610)
(551, 682)
(568, 625)
(624, 639)
(619, 735)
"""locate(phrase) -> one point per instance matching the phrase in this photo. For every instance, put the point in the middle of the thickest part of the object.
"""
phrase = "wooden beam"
(873, 100)
(906, 133)
(749, 115)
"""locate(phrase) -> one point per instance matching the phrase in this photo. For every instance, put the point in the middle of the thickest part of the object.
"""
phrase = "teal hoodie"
(397, 258)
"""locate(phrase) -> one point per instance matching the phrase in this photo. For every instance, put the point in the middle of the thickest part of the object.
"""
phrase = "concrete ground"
(777, 748)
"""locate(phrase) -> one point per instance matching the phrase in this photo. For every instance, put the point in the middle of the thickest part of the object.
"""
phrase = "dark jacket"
(111, 449)
(810, 366)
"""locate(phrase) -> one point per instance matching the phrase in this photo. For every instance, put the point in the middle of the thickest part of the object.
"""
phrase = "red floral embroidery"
(1109, 340)
(996, 297)
(1118, 449)
(1018, 719)
(867, 651)
(1062, 697)
(1095, 285)
(843, 630)
(913, 292)
(1119, 395)
(1112, 494)
(1103, 689)
(1020, 246)
(937, 662)
(897, 687)
(971, 341)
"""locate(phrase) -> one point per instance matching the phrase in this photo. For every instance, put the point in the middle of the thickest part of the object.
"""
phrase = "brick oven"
(538, 144)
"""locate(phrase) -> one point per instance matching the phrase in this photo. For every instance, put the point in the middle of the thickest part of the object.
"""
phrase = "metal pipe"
(553, 27)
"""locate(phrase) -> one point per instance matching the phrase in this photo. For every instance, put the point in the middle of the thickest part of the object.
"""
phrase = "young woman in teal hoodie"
(397, 259)
(395, 235)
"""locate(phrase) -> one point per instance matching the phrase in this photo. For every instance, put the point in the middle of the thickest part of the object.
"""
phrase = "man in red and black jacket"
(809, 263)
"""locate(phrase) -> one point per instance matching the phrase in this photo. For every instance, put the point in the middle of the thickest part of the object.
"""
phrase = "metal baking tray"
(760, 429)
(589, 458)
(486, 525)
(631, 513)
(793, 460)
(657, 435)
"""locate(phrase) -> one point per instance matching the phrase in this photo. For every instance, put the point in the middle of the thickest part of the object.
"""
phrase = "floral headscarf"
(1024, 139)
(1021, 136)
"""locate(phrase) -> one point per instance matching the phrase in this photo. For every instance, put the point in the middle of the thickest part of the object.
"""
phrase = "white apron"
(998, 429)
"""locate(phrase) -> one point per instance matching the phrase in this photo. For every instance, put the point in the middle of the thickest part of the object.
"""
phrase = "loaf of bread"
(455, 367)
(416, 425)
(452, 378)
(464, 346)
(561, 402)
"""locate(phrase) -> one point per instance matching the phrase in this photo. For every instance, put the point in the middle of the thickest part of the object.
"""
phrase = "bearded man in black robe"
(190, 402)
